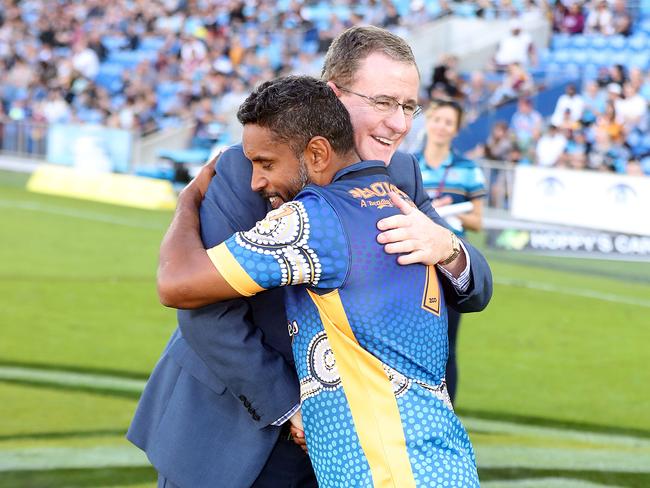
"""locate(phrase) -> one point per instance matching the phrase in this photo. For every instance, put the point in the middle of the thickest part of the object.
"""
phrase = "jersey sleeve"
(302, 242)
(475, 183)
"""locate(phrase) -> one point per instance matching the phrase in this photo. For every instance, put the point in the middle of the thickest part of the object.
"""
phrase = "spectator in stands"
(517, 47)
(600, 20)
(516, 83)
(621, 19)
(440, 78)
(632, 110)
(454, 179)
(55, 108)
(571, 101)
(85, 60)
(573, 20)
(550, 147)
(609, 123)
(476, 95)
(594, 102)
(500, 142)
(526, 124)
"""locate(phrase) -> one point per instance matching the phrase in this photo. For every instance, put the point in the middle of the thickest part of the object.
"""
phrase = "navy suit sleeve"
(407, 176)
(224, 335)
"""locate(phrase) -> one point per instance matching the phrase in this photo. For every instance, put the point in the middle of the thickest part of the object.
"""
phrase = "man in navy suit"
(214, 412)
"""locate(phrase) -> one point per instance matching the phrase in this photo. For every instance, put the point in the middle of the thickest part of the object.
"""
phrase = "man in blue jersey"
(215, 409)
(369, 336)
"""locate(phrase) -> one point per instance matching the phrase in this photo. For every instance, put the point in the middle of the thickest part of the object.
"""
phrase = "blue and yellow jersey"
(460, 178)
(369, 336)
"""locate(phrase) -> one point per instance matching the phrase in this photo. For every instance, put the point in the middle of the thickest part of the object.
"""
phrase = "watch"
(455, 246)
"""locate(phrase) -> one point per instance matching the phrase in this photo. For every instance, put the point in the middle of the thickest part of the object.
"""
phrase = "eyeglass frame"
(374, 102)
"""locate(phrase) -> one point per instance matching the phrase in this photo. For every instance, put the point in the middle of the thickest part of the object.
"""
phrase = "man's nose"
(258, 182)
(397, 121)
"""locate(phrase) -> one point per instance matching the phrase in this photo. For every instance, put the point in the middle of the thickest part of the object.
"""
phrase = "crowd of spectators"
(592, 17)
(604, 127)
(144, 65)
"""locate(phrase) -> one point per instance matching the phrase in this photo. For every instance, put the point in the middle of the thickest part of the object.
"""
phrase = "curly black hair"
(298, 108)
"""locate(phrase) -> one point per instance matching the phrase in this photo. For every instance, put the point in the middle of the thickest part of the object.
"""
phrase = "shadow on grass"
(75, 369)
(629, 480)
(73, 434)
(554, 423)
(77, 478)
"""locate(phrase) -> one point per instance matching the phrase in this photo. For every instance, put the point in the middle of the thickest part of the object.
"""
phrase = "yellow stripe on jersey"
(232, 271)
(370, 396)
(431, 296)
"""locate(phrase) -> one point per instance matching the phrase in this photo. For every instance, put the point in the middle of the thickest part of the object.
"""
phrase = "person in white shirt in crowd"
(600, 20)
(632, 109)
(571, 101)
(85, 60)
(517, 47)
(55, 108)
(550, 147)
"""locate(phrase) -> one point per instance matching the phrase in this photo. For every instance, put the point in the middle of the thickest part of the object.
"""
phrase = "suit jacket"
(204, 418)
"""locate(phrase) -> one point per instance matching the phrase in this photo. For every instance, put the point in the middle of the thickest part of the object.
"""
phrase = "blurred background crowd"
(146, 66)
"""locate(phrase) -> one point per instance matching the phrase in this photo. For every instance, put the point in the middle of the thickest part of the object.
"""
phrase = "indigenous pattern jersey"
(369, 336)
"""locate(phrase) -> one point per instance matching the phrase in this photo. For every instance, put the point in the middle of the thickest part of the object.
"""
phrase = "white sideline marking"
(67, 378)
(45, 458)
(607, 297)
(544, 483)
(77, 214)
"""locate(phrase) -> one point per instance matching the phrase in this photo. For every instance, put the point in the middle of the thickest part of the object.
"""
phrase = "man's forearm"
(183, 259)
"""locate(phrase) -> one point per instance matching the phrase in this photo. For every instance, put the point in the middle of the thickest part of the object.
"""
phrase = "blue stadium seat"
(589, 71)
(617, 42)
(599, 57)
(561, 41)
(644, 25)
(579, 41)
(598, 41)
(638, 42)
(114, 43)
(110, 77)
(639, 60)
(151, 43)
(578, 56)
(562, 56)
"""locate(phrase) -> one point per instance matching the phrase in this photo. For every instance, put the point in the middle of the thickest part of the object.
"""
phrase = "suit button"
(247, 404)
(242, 398)
(256, 417)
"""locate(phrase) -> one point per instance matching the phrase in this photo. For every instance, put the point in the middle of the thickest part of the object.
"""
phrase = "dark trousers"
(453, 318)
(287, 467)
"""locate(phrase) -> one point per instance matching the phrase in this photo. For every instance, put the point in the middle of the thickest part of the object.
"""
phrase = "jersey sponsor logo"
(376, 194)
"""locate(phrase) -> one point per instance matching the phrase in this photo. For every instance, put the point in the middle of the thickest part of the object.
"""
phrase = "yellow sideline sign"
(127, 190)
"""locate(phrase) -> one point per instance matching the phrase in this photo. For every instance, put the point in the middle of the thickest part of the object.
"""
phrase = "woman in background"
(450, 179)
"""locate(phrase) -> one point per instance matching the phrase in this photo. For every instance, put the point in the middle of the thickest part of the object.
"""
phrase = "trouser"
(451, 375)
(287, 467)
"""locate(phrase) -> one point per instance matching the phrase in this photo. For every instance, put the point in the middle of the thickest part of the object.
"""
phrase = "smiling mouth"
(383, 141)
(276, 201)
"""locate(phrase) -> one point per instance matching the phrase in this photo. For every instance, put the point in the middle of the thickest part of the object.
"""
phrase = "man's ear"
(334, 88)
(319, 153)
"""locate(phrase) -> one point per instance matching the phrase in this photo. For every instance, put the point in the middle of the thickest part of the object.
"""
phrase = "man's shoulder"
(402, 157)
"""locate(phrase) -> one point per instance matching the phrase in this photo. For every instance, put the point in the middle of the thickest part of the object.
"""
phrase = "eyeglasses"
(388, 105)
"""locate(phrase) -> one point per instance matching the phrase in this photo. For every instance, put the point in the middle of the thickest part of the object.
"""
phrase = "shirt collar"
(357, 167)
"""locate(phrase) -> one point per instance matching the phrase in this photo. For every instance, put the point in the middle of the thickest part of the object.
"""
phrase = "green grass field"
(554, 374)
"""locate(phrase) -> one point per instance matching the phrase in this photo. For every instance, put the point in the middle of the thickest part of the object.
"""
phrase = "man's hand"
(417, 238)
(198, 187)
(298, 431)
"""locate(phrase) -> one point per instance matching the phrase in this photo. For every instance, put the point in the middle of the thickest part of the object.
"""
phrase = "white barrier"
(590, 200)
